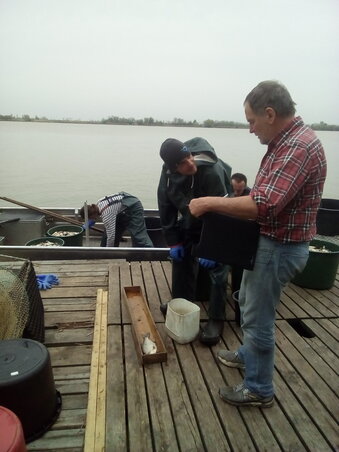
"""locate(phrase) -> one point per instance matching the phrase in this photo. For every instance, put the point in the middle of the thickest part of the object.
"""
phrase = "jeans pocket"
(291, 266)
(264, 256)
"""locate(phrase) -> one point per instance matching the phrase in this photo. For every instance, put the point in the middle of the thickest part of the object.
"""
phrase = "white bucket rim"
(182, 303)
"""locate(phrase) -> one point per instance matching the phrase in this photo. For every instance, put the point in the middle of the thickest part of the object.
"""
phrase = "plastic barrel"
(321, 268)
(154, 230)
(34, 242)
(72, 240)
(328, 217)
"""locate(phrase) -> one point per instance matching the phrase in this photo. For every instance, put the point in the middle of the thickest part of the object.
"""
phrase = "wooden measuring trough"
(142, 325)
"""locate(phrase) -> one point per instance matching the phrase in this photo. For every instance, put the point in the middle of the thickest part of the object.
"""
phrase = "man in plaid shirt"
(284, 200)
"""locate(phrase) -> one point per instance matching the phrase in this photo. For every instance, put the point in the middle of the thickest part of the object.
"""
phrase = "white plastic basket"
(182, 320)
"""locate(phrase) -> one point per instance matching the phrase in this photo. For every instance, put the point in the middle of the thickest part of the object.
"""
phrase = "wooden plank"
(100, 430)
(125, 281)
(305, 346)
(288, 309)
(74, 418)
(65, 336)
(74, 401)
(114, 291)
(96, 409)
(68, 319)
(181, 425)
(63, 440)
(139, 427)
(152, 292)
(323, 343)
(70, 355)
(73, 386)
(160, 410)
(305, 300)
(161, 282)
(208, 420)
(116, 433)
(327, 307)
(83, 281)
(301, 378)
(66, 292)
(70, 266)
(69, 304)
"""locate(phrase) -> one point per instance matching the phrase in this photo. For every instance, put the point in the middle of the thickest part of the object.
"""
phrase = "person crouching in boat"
(119, 212)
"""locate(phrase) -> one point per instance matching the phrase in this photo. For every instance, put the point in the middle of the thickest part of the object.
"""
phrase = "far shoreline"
(177, 122)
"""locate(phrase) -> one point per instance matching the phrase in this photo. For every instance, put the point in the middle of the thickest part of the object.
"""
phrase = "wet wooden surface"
(174, 406)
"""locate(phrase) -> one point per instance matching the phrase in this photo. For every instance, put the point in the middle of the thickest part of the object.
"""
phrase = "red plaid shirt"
(289, 184)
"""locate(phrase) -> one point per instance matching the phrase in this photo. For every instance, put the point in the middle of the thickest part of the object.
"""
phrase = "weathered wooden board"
(95, 433)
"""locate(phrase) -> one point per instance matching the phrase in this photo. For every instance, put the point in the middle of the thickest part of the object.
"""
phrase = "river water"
(63, 165)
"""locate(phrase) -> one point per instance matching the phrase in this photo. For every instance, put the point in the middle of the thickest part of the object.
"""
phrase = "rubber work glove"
(88, 225)
(207, 263)
(46, 281)
(177, 252)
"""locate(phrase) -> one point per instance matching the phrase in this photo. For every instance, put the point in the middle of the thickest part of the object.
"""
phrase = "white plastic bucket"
(182, 320)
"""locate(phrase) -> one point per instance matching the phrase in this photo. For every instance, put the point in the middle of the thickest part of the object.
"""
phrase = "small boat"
(19, 225)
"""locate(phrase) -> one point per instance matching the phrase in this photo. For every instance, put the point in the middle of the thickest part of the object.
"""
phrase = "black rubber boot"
(163, 308)
(210, 334)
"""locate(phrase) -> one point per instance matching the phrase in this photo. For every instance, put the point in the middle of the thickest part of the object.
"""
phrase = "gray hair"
(271, 94)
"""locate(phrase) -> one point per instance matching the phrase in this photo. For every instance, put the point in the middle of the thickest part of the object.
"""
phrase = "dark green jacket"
(175, 191)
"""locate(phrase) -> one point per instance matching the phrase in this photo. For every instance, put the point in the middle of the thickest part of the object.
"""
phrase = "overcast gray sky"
(190, 59)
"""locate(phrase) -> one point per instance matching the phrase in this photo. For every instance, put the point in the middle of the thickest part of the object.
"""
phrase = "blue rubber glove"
(46, 281)
(53, 279)
(89, 224)
(207, 263)
(177, 253)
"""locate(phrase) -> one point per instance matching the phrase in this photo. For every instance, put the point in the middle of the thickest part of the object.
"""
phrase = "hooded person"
(192, 169)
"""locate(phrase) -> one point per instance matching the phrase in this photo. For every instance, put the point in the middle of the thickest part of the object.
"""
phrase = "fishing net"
(21, 309)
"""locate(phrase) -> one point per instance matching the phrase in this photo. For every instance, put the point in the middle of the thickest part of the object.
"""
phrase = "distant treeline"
(177, 122)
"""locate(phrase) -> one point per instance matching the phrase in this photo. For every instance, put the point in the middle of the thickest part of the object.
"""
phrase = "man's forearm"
(241, 207)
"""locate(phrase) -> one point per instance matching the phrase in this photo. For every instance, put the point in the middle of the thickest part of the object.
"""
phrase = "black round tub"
(27, 385)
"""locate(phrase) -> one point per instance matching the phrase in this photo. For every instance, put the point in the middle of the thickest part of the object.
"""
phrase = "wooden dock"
(174, 405)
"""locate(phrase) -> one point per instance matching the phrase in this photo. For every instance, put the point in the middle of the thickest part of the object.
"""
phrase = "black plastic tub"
(41, 240)
(321, 268)
(328, 217)
(27, 385)
(70, 240)
(154, 230)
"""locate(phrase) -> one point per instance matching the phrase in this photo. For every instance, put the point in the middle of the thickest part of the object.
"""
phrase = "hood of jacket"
(199, 145)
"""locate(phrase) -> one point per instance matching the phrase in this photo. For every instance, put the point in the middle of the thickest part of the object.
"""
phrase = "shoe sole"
(253, 403)
(209, 342)
(231, 364)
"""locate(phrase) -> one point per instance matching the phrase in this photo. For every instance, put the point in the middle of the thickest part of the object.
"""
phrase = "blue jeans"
(275, 265)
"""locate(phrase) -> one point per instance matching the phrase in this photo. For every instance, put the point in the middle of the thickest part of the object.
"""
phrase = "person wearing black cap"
(191, 170)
